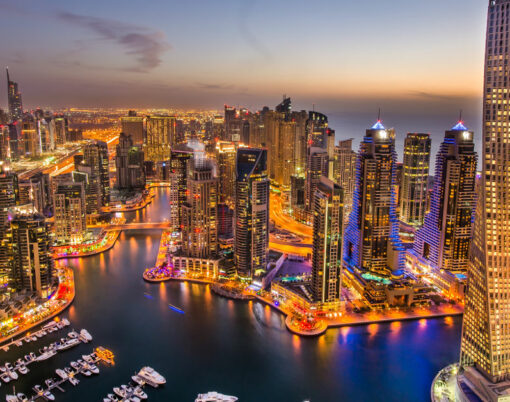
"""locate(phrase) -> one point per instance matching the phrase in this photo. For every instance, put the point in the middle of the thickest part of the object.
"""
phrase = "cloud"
(203, 85)
(146, 45)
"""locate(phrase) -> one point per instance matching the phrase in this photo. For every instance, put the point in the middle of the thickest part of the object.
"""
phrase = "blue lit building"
(444, 240)
(372, 244)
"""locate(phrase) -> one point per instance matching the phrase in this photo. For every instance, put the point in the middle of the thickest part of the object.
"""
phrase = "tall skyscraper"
(226, 157)
(485, 347)
(9, 196)
(133, 125)
(61, 129)
(327, 242)
(178, 181)
(415, 175)
(129, 163)
(32, 259)
(251, 230)
(14, 99)
(70, 212)
(30, 136)
(160, 138)
(200, 211)
(372, 241)
(345, 172)
(444, 240)
(316, 168)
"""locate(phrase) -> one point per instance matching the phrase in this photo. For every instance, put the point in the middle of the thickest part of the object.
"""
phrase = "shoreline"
(107, 247)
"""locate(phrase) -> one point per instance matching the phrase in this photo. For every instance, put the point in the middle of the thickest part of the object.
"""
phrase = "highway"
(137, 226)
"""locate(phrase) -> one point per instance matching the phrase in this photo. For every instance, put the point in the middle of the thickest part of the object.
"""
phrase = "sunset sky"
(420, 61)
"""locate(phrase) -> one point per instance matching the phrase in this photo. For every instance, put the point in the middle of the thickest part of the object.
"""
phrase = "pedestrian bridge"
(139, 226)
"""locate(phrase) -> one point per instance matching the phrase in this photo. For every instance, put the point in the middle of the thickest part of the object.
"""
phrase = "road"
(284, 221)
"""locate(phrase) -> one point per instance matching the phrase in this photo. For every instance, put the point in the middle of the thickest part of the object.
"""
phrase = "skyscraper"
(327, 242)
(9, 196)
(129, 163)
(96, 164)
(61, 129)
(251, 229)
(14, 99)
(180, 156)
(317, 167)
(30, 136)
(133, 125)
(160, 138)
(444, 240)
(226, 156)
(413, 189)
(32, 259)
(371, 238)
(70, 212)
(485, 347)
(200, 211)
(345, 172)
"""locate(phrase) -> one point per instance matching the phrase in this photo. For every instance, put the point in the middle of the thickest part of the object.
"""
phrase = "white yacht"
(215, 397)
(46, 355)
(68, 344)
(148, 373)
(85, 336)
(61, 373)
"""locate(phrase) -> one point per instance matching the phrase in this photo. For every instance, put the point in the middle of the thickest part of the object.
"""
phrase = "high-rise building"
(485, 347)
(14, 99)
(31, 254)
(36, 190)
(178, 182)
(160, 138)
(200, 211)
(9, 197)
(251, 229)
(316, 168)
(372, 241)
(345, 172)
(133, 125)
(70, 212)
(226, 157)
(95, 164)
(30, 135)
(129, 163)
(443, 242)
(61, 129)
(415, 175)
(327, 242)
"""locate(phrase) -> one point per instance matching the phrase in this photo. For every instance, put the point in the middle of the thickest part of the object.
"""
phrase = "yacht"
(120, 392)
(215, 397)
(22, 368)
(22, 397)
(134, 399)
(87, 358)
(38, 389)
(148, 373)
(85, 336)
(74, 381)
(73, 334)
(49, 396)
(46, 355)
(138, 380)
(5, 377)
(139, 393)
(49, 382)
(75, 366)
(10, 370)
(68, 344)
(11, 398)
(69, 371)
(61, 373)
(66, 322)
(93, 368)
(112, 397)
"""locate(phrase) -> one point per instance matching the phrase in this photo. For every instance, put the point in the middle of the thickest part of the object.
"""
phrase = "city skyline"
(246, 66)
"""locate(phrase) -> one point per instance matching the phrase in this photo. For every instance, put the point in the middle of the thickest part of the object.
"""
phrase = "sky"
(419, 61)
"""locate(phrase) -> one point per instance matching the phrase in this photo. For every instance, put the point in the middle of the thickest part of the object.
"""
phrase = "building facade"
(160, 138)
(70, 214)
(129, 163)
(14, 99)
(345, 172)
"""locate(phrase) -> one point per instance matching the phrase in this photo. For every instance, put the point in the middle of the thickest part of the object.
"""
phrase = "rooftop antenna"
(379, 115)
(460, 116)
(313, 107)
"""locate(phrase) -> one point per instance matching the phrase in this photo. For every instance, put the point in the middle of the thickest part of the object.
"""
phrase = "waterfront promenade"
(104, 243)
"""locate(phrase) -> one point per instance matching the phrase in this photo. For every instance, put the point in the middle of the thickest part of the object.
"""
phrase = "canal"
(240, 349)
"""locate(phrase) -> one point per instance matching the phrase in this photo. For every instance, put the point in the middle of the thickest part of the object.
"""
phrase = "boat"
(5, 348)
(39, 334)
(49, 325)
(62, 374)
(49, 396)
(69, 371)
(86, 373)
(215, 397)
(19, 342)
(112, 397)
(93, 369)
(85, 336)
(11, 398)
(5, 377)
(38, 389)
(148, 373)
(33, 338)
(139, 393)
(22, 397)
(74, 381)
(88, 358)
(23, 369)
(49, 382)
(66, 322)
(120, 392)
(134, 399)
(68, 344)
(46, 355)
(73, 334)
(138, 380)
(76, 366)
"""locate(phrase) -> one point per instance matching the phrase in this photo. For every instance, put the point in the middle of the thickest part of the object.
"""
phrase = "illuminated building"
(200, 211)
(9, 197)
(372, 243)
(46, 135)
(30, 136)
(70, 212)
(251, 228)
(415, 174)
(36, 190)
(15, 142)
(327, 242)
(133, 125)
(61, 129)
(95, 164)
(226, 157)
(485, 346)
(317, 167)
(444, 240)
(160, 138)
(31, 254)
(345, 173)
(129, 163)
(14, 99)
(178, 182)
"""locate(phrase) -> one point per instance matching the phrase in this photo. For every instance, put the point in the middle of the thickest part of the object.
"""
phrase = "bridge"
(139, 226)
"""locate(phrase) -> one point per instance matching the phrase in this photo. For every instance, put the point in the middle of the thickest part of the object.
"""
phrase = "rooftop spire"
(378, 125)
(8, 78)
